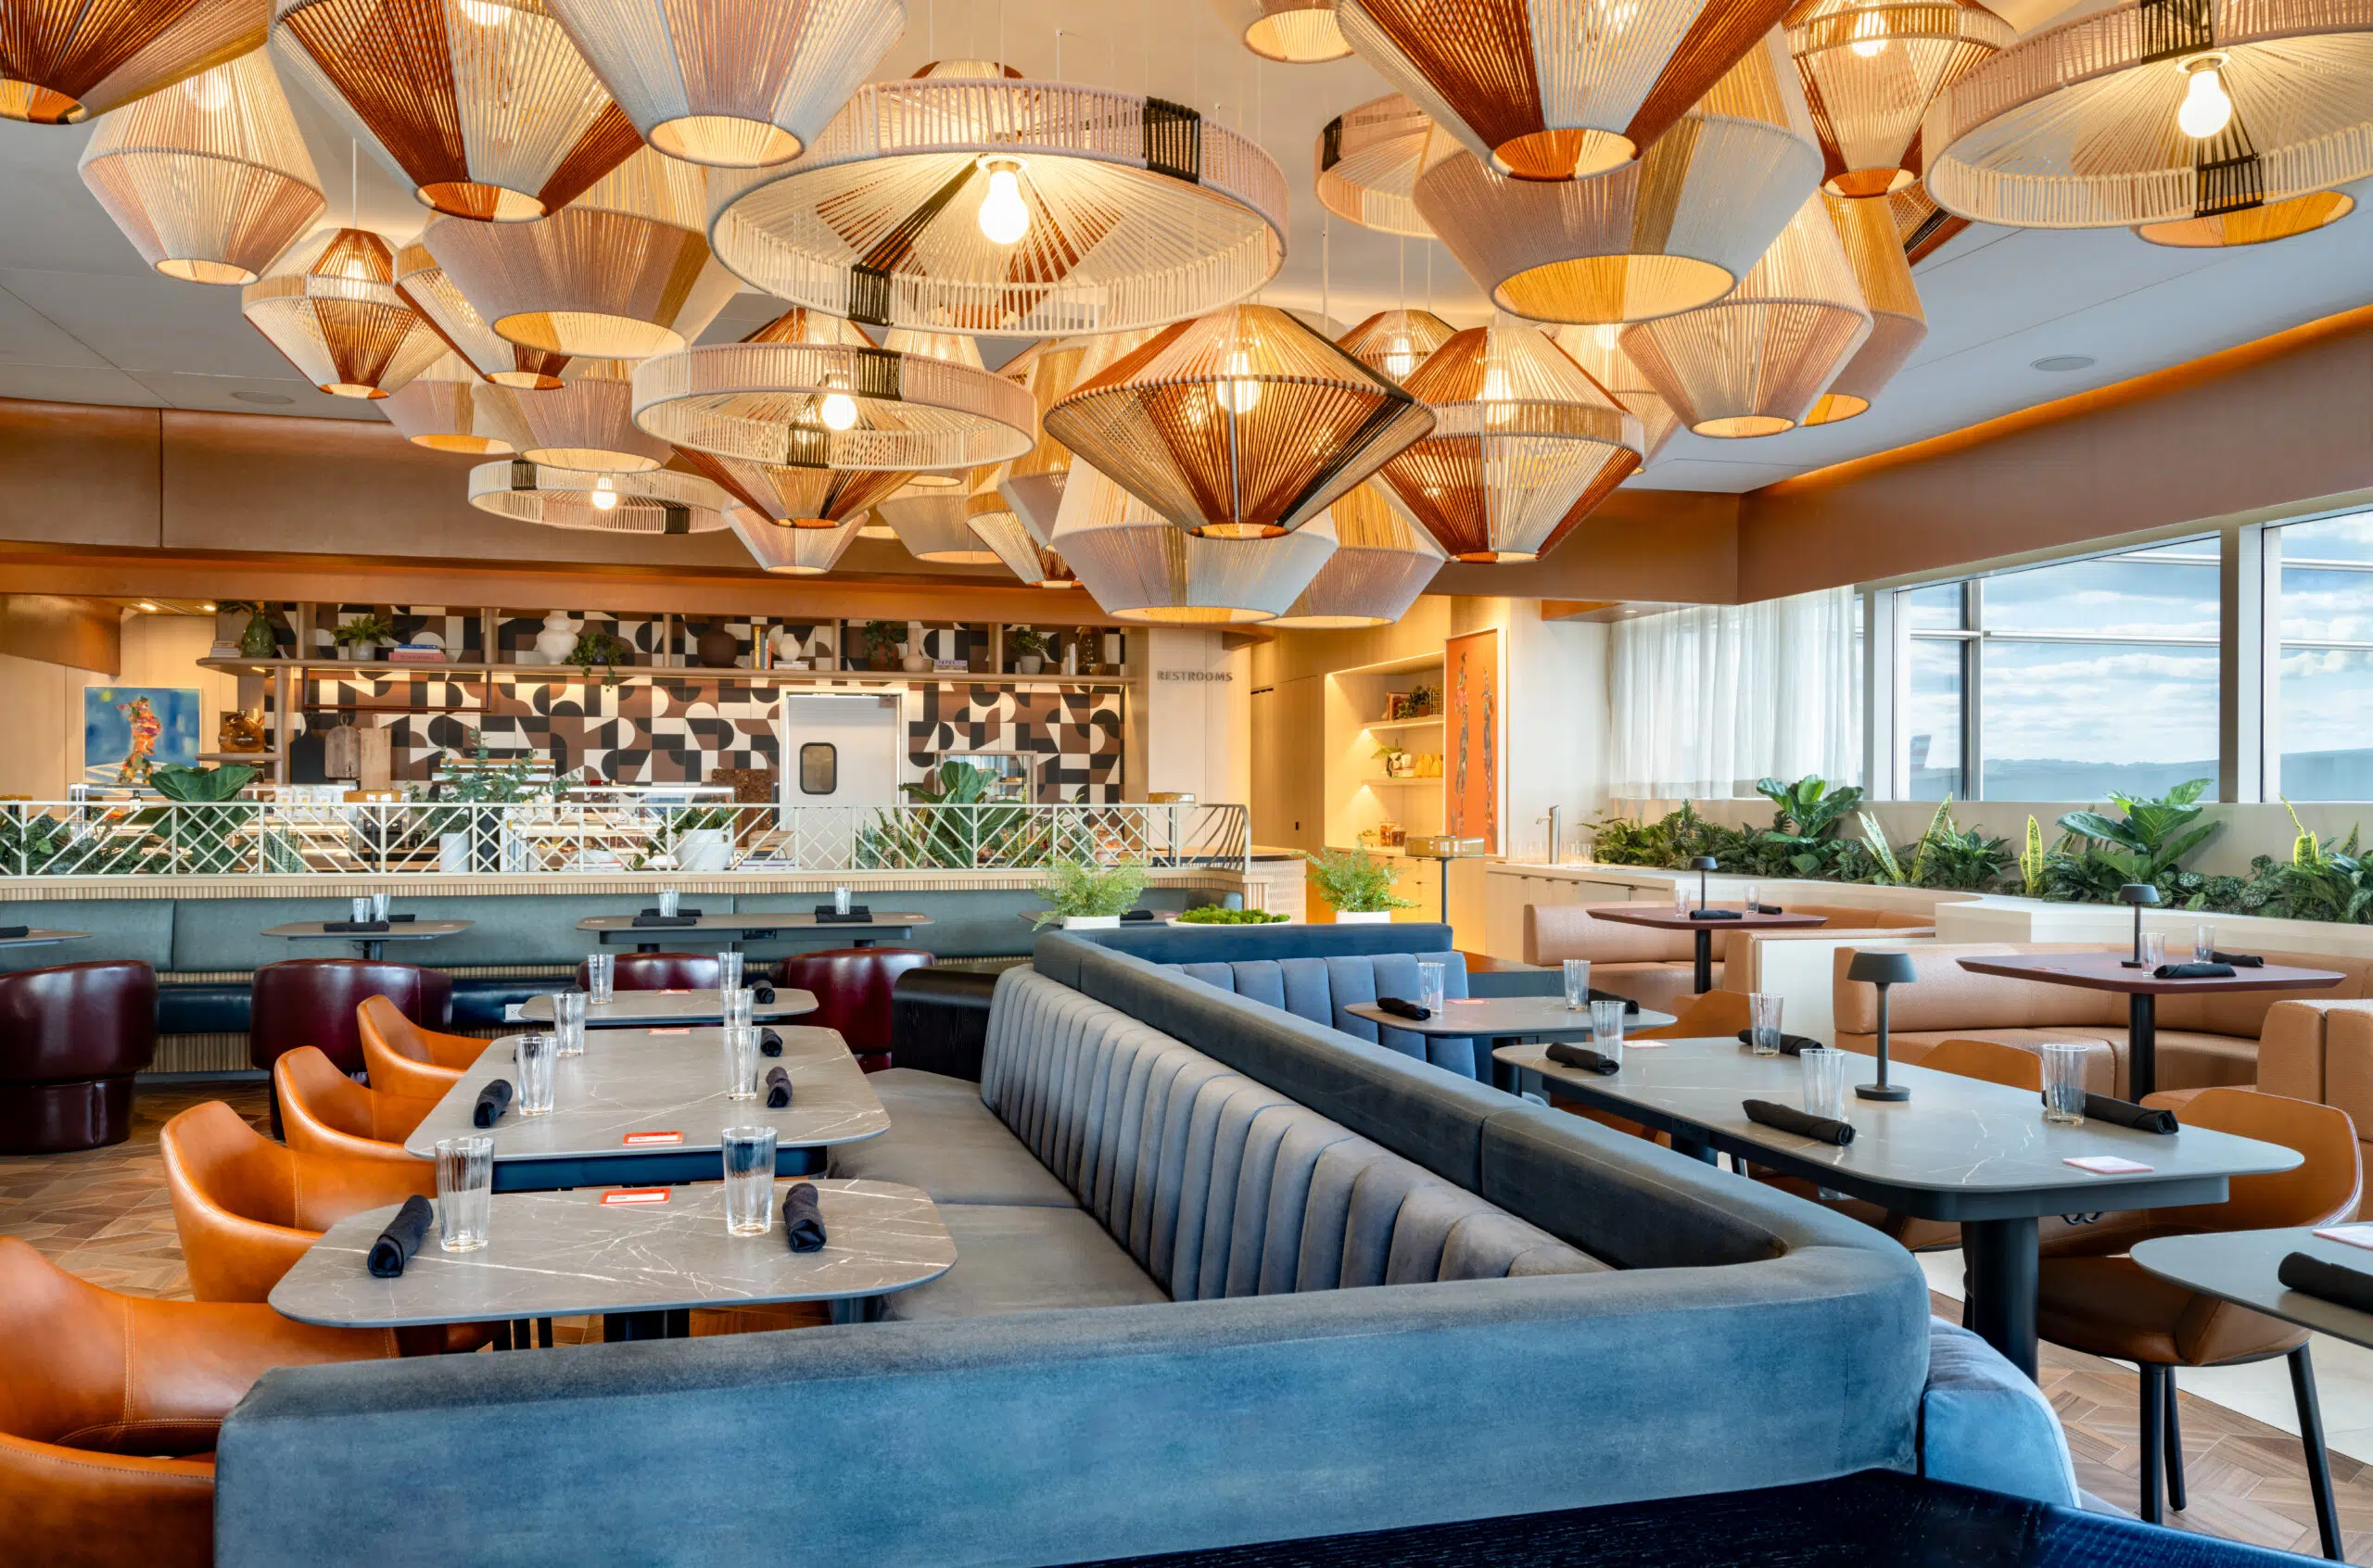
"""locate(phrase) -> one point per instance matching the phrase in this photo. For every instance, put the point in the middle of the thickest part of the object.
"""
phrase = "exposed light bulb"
(1400, 357)
(1005, 217)
(481, 13)
(839, 410)
(2206, 108)
(209, 91)
(1870, 35)
(1239, 397)
(604, 496)
(1495, 384)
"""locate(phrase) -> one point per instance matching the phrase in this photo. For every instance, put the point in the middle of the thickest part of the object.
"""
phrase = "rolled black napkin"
(762, 993)
(671, 920)
(1790, 1044)
(399, 919)
(777, 1088)
(1629, 1006)
(2328, 1282)
(1403, 1010)
(2192, 971)
(803, 1222)
(1135, 917)
(1767, 909)
(401, 1238)
(680, 913)
(1716, 914)
(858, 915)
(1582, 1057)
(1788, 1119)
(2239, 960)
(493, 1100)
(10, 933)
(354, 925)
(2125, 1113)
(770, 1043)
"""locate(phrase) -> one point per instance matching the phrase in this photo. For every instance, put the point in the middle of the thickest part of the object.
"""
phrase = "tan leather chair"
(324, 1112)
(2094, 1298)
(109, 1415)
(400, 1058)
(1709, 1016)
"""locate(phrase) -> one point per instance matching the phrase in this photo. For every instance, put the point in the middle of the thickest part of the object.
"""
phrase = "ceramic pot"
(1364, 916)
(554, 644)
(1029, 664)
(718, 649)
(702, 849)
(917, 664)
(256, 642)
(1091, 922)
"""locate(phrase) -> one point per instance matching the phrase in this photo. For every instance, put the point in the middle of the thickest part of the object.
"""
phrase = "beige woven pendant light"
(1523, 439)
(485, 106)
(1556, 89)
(1382, 562)
(2156, 111)
(1243, 423)
(736, 83)
(1870, 69)
(333, 308)
(1897, 324)
(465, 332)
(587, 422)
(1920, 224)
(1755, 363)
(794, 521)
(210, 182)
(1049, 370)
(621, 272)
(1370, 158)
(1392, 343)
(1671, 231)
(1108, 211)
(662, 501)
(1599, 351)
(450, 408)
(1139, 567)
(1290, 32)
(788, 551)
(933, 526)
(871, 527)
(2252, 225)
(63, 61)
(1003, 532)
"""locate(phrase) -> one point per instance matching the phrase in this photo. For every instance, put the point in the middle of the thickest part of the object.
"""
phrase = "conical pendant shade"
(788, 551)
(449, 407)
(737, 83)
(1138, 566)
(622, 272)
(1050, 371)
(661, 501)
(63, 61)
(1556, 89)
(1037, 503)
(1003, 533)
(816, 499)
(2252, 225)
(485, 106)
(1899, 326)
(333, 310)
(1755, 364)
(1671, 231)
(210, 182)
(932, 525)
(1243, 423)
(1870, 69)
(587, 422)
(1290, 32)
(1369, 161)
(1599, 351)
(1393, 343)
(1523, 440)
(457, 320)
(1382, 562)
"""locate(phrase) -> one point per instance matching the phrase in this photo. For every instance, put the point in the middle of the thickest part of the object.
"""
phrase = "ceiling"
(82, 320)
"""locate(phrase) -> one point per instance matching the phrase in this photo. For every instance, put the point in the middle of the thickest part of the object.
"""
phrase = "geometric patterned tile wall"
(1077, 733)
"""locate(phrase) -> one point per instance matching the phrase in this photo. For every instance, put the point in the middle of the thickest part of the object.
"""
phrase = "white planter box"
(1364, 916)
(1091, 922)
(704, 849)
(453, 853)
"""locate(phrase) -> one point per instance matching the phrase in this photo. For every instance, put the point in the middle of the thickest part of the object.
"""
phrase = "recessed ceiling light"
(2060, 364)
(272, 399)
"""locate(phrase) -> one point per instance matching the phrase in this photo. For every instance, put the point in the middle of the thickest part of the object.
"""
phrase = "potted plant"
(881, 639)
(1027, 647)
(361, 637)
(702, 839)
(1397, 763)
(604, 649)
(1358, 885)
(1085, 895)
(469, 838)
(258, 640)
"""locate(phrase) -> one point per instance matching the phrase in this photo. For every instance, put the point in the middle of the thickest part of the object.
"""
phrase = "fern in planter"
(364, 632)
(1081, 890)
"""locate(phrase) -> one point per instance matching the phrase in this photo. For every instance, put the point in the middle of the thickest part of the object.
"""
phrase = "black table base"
(637, 1170)
(2004, 1269)
(674, 1323)
(2141, 1045)
(1705, 977)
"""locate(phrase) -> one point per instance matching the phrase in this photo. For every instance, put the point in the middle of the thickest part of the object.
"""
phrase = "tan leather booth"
(1655, 968)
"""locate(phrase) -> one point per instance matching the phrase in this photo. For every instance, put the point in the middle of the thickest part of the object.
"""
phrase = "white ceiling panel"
(271, 395)
(151, 322)
(75, 384)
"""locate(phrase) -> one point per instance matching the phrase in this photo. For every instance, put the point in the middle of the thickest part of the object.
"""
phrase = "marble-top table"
(733, 930)
(37, 936)
(2239, 1266)
(657, 1009)
(1503, 1020)
(638, 1263)
(371, 945)
(1960, 1149)
(613, 1106)
(1664, 919)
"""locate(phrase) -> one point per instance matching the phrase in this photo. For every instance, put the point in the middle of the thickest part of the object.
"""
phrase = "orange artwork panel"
(1471, 729)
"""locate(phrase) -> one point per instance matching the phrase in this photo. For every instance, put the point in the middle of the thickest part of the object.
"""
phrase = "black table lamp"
(2142, 895)
(1702, 865)
(1881, 969)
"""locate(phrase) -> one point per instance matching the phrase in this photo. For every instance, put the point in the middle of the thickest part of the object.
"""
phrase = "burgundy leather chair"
(660, 971)
(70, 1039)
(311, 1002)
(852, 987)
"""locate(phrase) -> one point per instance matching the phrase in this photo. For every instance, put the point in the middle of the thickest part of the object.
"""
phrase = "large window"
(2321, 723)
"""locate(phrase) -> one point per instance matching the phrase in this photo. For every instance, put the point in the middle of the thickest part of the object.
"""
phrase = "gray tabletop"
(564, 1254)
(633, 1082)
(398, 931)
(2239, 1266)
(36, 936)
(1507, 1018)
(761, 920)
(650, 1009)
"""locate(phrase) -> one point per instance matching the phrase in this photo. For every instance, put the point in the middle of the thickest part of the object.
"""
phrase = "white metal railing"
(153, 838)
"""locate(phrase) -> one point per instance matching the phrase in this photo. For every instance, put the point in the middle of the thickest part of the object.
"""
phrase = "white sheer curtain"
(1706, 701)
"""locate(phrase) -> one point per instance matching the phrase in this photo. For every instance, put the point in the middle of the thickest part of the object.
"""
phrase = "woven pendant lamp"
(1755, 363)
(1049, 370)
(1243, 423)
(932, 525)
(736, 83)
(1290, 32)
(1556, 89)
(587, 422)
(1523, 439)
(449, 407)
(622, 272)
(1392, 343)
(662, 501)
(1369, 160)
(1382, 562)
(2155, 111)
(485, 106)
(1899, 326)
(63, 61)
(797, 520)
(1870, 69)
(1920, 224)
(2252, 225)
(465, 332)
(1115, 210)
(210, 182)
(957, 348)
(1010, 542)
(1599, 351)
(1671, 231)
(1138, 566)
(787, 551)
(333, 310)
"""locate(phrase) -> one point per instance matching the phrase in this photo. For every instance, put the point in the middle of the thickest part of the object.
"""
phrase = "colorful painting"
(130, 730)
(1471, 725)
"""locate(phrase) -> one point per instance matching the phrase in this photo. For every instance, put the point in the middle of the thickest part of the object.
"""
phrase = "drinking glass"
(361, 903)
(535, 1054)
(569, 1021)
(1754, 896)
(741, 1062)
(601, 973)
(1429, 987)
(1578, 984)
(2203, 944)
(1607, 1027)
(379, 902)
(1763, 1023)
(2155, 949)
(1825, 1072)
(840, 901)
(2063, 1084)
(1680, 898)
(668, 899)
(749, 1179)
(728, 971)
(741, 1005)
(464, 1191)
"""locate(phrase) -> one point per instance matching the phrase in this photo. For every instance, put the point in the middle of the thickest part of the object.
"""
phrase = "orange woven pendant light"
(334, 311)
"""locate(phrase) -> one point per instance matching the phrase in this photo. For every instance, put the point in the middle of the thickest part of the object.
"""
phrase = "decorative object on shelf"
(1369, 160)
(424, 283)
(1382, 562)
(559, 636)
(587, 422)
(1082, 894)
(659, 501)
(1897, 324)
(1086, 652)
(882, 640)
(1357, 884)
(1243, 423)
(212, 182)
(1755, 363)
(602, 648)
(731, 83)
(1026, 645)
(1290, 32)
(450, 408)
(811, 391)
(1392, 343)
(258, 640)
(425, 652)
(2153, 112)
(1554, 90)
(360, 638)
(622, 272)
(1525, 445)
(967, 199)
(484, 106)
(333, 308)
(241, 730)
(1599, 351)
(1870, 69)
(1139, 567)
(1398, 763)
(2252, 225)
(67, 60)
(1675, 229)
(931, 526)
(717, 648)
(1881, 970)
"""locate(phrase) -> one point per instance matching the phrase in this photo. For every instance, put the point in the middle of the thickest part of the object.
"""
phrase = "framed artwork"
(1471, 732)
(129, 730)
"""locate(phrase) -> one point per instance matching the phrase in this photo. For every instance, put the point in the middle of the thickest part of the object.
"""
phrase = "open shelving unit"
(1359, 795)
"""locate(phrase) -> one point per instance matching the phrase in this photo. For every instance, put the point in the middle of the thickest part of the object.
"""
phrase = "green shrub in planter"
(1220, 914)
